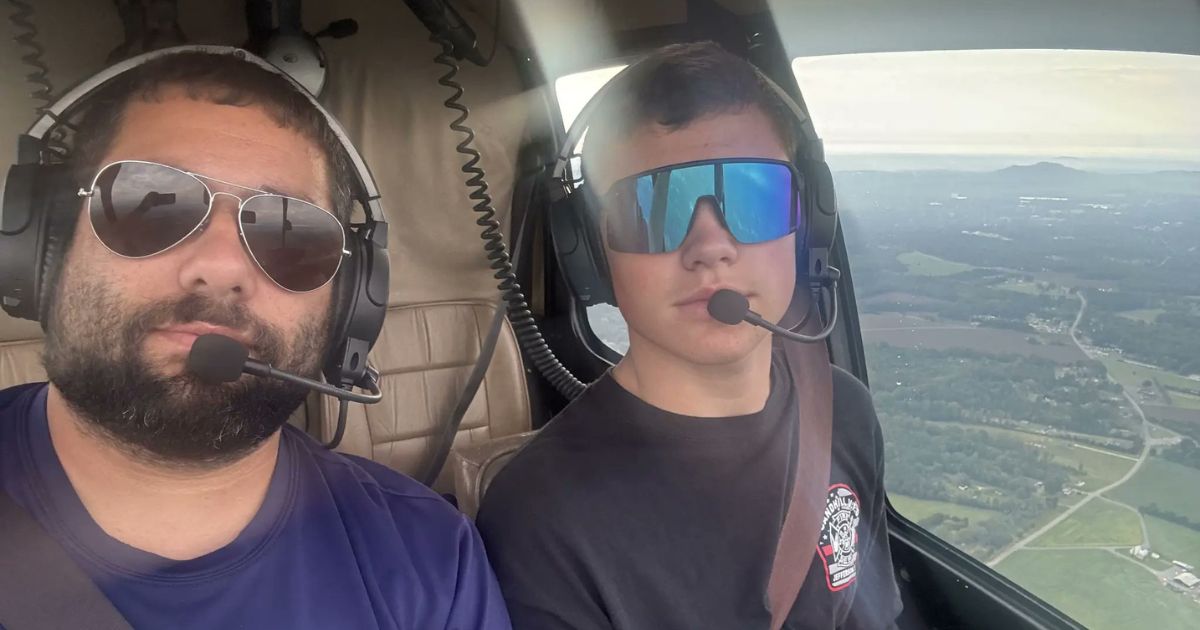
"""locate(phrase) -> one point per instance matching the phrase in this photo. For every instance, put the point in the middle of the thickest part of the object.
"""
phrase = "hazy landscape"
(1033, 342)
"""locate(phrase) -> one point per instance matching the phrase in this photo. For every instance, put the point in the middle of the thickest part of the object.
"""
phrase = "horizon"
(984, 163)
(1106, 111)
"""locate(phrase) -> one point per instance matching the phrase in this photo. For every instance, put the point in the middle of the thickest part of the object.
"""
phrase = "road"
(1020, 544)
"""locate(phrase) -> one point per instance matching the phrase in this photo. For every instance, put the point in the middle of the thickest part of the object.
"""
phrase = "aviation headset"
(577, 237)
(40, 209)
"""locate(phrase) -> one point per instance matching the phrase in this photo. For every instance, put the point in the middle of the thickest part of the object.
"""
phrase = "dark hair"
(678, 84)
(218, 78)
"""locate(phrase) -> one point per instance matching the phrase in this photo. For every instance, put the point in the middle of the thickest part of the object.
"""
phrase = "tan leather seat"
(20, 352)
(424, 355)
(474, 466)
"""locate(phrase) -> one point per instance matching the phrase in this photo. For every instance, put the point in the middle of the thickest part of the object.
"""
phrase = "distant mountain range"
(1039, 179)
(986, 163)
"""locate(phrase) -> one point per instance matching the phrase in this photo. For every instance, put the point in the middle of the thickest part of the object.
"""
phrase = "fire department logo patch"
(838, 544)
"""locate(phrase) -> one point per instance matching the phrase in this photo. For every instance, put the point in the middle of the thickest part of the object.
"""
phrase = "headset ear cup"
(821, 213)
(595, 244)
(60, 208)
(363, 293)
(345, 290)
(580, 257)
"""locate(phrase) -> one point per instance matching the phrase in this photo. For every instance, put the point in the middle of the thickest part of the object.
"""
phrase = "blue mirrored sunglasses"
(757, 200)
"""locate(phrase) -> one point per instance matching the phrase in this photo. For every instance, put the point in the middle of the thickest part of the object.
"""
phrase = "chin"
(719, 348)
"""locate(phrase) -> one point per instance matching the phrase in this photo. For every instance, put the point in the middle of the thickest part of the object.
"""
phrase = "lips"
(195, 329)
(703, 294)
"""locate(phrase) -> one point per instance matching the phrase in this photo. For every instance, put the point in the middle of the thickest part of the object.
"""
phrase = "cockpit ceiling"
(828, 27)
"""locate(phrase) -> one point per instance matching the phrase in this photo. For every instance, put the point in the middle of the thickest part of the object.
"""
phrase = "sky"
(1051, 103)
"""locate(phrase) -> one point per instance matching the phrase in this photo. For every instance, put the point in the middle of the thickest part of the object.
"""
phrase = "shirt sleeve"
(477, 599)
(545, 583)
(877, 601)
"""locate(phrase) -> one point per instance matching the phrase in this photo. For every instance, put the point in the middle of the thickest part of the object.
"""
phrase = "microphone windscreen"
(217, 358)
(728, 306)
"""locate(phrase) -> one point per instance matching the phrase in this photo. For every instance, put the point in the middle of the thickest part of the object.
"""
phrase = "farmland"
(1145, 315)
(1174, 541)
(1132, 376)
(1163, 483)
(1099, 523)
(907, 331)
(917, 510)
(1100, 589)
(922, 264)
(1095, 467)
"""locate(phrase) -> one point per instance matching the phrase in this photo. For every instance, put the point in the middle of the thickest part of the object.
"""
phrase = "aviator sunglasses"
(138, 209)
(757, 200)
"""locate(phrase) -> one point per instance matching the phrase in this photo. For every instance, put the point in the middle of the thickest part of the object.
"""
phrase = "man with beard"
(192, 505)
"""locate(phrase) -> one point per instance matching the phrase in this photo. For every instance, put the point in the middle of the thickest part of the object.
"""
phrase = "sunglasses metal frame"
(797, 185)
(90, 192)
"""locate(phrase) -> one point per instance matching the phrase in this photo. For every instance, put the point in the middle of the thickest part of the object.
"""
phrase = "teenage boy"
(655, 500)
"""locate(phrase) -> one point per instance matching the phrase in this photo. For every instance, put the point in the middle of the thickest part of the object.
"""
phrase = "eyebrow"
(262, 188)
(277, 191)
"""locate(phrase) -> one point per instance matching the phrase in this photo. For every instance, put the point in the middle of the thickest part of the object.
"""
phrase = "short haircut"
(218, 78)
(678, 84)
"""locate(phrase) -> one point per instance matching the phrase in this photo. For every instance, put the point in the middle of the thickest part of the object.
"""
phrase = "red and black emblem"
(838, 544)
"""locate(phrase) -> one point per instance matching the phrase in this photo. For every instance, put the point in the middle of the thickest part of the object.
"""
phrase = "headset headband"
(367, 193)
(812, 145)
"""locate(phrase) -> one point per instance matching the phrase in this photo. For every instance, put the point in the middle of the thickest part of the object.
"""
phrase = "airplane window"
(1022, 230)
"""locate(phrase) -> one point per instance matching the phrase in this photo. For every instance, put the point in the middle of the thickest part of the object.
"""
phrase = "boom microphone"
(220, 359)
(730, 307)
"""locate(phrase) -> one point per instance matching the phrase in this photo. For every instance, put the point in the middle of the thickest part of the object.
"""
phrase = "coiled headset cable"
(39, 74)
(524, 326)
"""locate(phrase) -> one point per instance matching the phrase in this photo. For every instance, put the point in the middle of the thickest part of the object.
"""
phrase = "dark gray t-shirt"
(622, 515)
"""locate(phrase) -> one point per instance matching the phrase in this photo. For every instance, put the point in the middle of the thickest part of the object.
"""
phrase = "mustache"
(199, 308)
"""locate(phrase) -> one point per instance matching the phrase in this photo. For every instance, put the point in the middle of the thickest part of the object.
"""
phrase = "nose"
(708, 242)
(215, 263)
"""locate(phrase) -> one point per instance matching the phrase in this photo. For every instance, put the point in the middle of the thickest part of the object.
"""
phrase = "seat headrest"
(18, 329)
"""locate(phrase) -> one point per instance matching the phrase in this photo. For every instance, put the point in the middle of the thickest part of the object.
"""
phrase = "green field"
(1020, 286)
(1147, 315)
(1159, 432)
(1100, 590)
(1183, 400)
(915, 509)
(921, 264)
(1131, 376)
(1156, 565)
(1174, 542)
(1099, 468)
(1070, 500)
(1097, 523)
(1172, 486)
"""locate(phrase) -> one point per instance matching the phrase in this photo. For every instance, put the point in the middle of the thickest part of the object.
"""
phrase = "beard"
(94, 356)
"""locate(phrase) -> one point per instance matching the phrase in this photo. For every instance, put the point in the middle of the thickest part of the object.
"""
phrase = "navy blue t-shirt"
(339, 542)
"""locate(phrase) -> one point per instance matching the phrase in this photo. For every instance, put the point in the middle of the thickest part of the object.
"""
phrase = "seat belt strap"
(41, 588)
(813, 387)
(444, 441)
